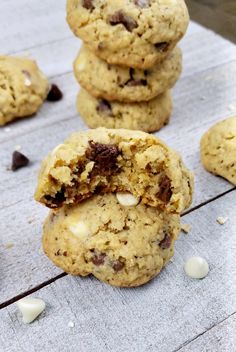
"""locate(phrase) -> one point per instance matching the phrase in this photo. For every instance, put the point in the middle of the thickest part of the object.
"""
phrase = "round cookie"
(114, 82)
(107, 160)
(145, 116)
(23, 88)
(218, 149)
(134, 33)
(122, 246)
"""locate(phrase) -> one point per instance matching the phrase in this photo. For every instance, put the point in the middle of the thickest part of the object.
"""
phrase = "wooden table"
(173, 312)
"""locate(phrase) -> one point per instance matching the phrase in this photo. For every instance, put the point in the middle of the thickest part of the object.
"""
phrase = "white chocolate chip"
(196, 267)
(17, 147)
(27, 80)
(71, 324)
(221, 220)
(186, 228)
(30, 308)
(80, 229)
(127, 199)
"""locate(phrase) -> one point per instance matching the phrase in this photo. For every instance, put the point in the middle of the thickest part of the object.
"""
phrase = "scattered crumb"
(71, 324)
(9, 245)
(30, 221)
(17, 147)
(221, 220)
(186, 228)
(7, 129)
(231, 107)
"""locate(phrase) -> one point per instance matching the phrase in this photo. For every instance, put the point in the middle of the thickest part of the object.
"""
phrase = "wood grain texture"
(161, 316)
(200, 100)
(219, 338)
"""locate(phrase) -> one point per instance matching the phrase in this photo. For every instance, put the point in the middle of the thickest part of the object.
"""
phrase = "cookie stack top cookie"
(134, 33)
(129, 60)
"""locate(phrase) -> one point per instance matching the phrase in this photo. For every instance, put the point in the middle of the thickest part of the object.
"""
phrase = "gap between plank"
(34, 289)
(186, 343)
(48, 282)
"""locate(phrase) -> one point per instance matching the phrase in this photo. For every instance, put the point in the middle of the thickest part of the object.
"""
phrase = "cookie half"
(136, 33)
(122, 246)
(23, 88)
(218, 149)
(147, 116)
(113, 82)
(105, 161)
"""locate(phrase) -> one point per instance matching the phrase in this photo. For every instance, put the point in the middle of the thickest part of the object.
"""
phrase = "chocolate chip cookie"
(218, 149)
(23, 88)
(122, 245)
(112, 82)
(105, 161)
(145, 116)
(134, 33)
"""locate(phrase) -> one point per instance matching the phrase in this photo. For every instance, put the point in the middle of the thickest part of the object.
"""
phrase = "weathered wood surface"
(107, 319)
(170, 312)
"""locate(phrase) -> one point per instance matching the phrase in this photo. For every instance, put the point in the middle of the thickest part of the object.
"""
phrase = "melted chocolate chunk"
(142, 3)
(88, 4)
(104, 156)
(165, 192)
(118, 265)
(57, 200)
(54, 94)
(104, 107)
(18, 160)
(166, 242)
(120, 17)
(163, 46)
(99, 259)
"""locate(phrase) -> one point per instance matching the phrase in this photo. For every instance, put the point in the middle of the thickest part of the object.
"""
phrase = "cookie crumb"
(186, 228)
(231, 107)
(30, 308)
(18, 160)
(55, 94)
(221, 220)
(9, 245)
(71, 324)
(17, 147)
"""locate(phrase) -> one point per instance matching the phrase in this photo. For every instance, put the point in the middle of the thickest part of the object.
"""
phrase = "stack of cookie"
(116, 198)
(129, 60)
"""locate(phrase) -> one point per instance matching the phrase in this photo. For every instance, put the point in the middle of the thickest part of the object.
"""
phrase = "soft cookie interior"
(106, 161)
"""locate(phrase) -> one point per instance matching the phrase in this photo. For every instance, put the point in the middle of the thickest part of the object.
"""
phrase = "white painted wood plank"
(160, 316)
(25, 24)
(220, 338)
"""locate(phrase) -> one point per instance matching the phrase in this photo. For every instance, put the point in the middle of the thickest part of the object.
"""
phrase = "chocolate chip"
(142, 3)
(99, 259)
(166, 242)
(165, 192)
(136, 82)
(104, 156)
(88, 4)
(54, 94)
(118, 265)
(120, 17)
(104, 107)
(163, 46)
(18, 160)
(132, 82)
